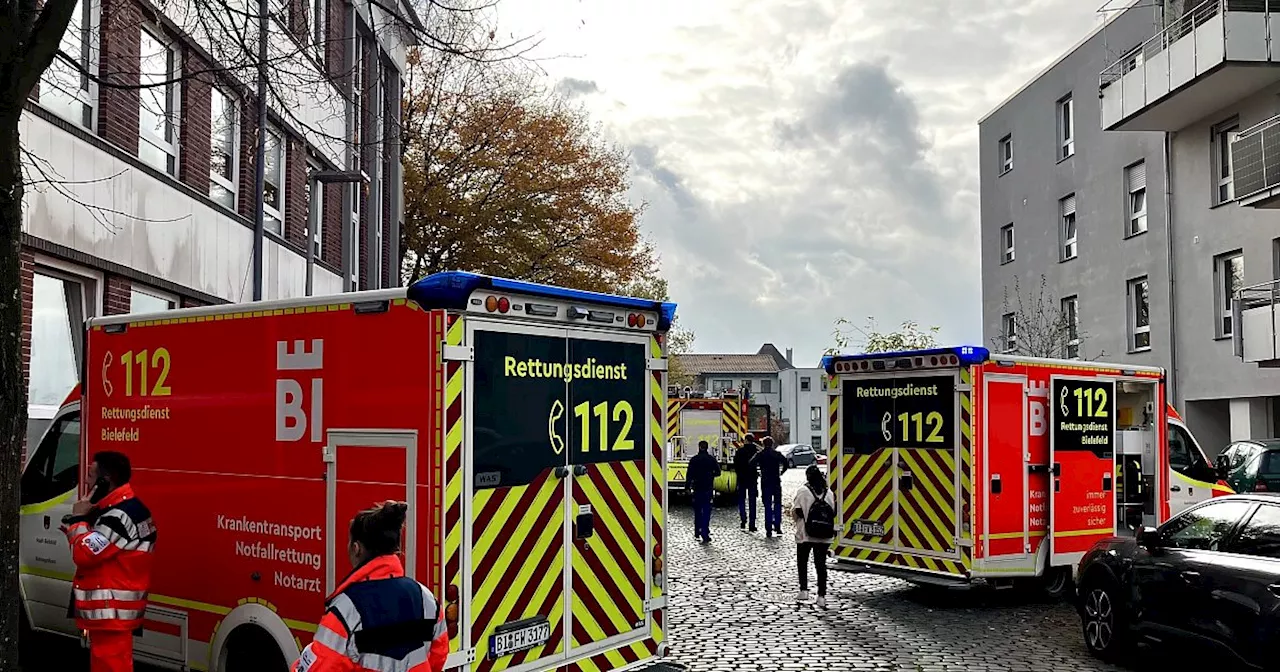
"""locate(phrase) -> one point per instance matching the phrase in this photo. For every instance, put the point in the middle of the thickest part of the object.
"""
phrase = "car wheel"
(1106, 634)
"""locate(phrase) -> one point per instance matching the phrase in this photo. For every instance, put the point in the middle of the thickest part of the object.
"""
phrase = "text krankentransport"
(896, 391)
(590, 370)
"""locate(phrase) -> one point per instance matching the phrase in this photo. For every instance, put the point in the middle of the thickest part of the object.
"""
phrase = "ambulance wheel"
(1056, 583)
(1106, 633)
(251, 649)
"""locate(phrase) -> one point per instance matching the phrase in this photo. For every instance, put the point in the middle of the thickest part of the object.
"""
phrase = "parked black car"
(798, 454)
(1209, 577)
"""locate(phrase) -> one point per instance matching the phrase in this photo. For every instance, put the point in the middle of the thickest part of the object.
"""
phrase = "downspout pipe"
(1174, 390)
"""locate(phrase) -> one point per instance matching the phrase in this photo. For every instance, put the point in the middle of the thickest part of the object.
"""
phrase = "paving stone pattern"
(733, 607)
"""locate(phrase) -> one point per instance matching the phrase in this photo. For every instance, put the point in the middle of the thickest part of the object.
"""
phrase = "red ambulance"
(524, 425)
(960, 467)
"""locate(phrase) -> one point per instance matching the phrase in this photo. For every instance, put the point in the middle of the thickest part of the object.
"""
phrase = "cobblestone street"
(734, 608)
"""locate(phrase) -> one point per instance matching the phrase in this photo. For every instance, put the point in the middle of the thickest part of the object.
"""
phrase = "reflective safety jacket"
(378, 620)
(113, 558)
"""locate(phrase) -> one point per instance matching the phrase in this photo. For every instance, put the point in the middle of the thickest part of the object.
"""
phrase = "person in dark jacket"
(747, 478)
(701, 476)
(771, 464)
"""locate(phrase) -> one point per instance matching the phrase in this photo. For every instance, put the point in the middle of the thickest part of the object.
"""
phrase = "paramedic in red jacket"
(112, 537)
(378, 619)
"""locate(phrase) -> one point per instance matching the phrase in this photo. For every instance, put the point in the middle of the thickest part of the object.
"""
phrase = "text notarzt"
(895, 391)
(536, 368)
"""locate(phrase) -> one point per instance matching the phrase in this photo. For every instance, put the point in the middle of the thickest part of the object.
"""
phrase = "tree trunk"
(13, 393)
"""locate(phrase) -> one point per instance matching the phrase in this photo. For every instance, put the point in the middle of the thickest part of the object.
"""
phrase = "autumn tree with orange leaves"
(506, 179)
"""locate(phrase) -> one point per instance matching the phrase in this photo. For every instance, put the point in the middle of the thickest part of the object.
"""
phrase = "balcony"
(1219, 52)
(1256, 310)
(1255, 160)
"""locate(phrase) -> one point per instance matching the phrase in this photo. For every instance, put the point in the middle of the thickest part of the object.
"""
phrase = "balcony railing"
(1255, 159)
(1178, 29)
(1254, 313)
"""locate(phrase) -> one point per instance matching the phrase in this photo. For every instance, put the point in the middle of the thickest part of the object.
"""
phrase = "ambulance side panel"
(226, 417)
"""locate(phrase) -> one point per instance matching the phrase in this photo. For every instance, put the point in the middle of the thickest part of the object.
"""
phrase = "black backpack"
(821, 521)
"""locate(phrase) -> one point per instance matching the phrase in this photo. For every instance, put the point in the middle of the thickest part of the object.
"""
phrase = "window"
(1006, 243)
(1071, 320)
(1261, 535)
(148, 301)
(158, 103)
(1228, 278)
(354, 225)
(54, 468)
(766, 386)
(720, 385)
(320, 26)
(1185, 456)
(1139, 315)
(1006, 154)
(64, 88)
(223, 136)
(815, 442)
(1068, 233)
(314, 198)
(1135, 178)
(805, 383)
(1009, 330)
(824, 382)
(273, 185)
(58, 312)
(1066, 128)
(815, 418)
(1204, 528)
(1223, 170)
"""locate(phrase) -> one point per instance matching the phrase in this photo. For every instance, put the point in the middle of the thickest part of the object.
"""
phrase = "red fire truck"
(523, 424)
(958, 466)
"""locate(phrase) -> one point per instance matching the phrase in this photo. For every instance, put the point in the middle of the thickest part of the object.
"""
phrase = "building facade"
(1174, 97)
(141, 143)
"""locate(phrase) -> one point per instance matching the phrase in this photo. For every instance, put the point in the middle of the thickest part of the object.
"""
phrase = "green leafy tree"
(869, 338)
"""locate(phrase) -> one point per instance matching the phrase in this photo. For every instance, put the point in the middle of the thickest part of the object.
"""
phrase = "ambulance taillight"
(658, 565)
(497, 304)
(451, 610)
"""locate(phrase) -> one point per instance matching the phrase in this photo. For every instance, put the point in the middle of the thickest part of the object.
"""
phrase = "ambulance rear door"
(559, 485)
(700, 425)
(1082, 439)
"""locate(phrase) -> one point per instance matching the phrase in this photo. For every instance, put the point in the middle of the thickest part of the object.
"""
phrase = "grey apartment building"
(1139, 174)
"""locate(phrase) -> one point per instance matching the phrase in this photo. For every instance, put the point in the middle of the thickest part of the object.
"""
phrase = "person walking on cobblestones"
(702, 473)
(747, 478)
(771, 464)
(814, 511)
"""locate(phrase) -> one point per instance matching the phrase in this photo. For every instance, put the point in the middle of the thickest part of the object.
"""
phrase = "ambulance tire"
(1056, 583)
(1103, 619)
(252, 649)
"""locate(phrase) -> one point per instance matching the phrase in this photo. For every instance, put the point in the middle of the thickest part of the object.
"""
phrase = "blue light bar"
(451, 289)
(967, 354)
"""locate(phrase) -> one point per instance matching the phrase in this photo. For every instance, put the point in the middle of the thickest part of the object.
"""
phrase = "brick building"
(141, 143)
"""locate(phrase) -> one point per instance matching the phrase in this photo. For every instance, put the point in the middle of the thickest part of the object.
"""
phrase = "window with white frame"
(1139, 315)
(357, 190)
(721, 384)
(815, 442)
(66, 89)
(1071, 325)
(1006, 243)
(313, 194)
(223, 138)
(1228, 278)
(273, 182)
(60, 303)
(815, 418)
(1135, 180)
(1066, 128)
(144, 300)
(1006, 154)
(158, 102)
(1067, 226)
(1009, 331)
(1223, 170)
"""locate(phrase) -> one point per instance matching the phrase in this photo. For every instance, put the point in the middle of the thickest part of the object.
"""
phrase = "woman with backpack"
(814, 509)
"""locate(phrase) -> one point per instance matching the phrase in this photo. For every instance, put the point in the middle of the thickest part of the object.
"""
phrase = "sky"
(803, 160)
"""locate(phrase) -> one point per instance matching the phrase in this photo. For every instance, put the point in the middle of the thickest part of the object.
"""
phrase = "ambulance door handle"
(1176, 488)
(562, 472)
(579, 470)
(996, 487)
(906, 482)
(1106, 482)
(1057, 469)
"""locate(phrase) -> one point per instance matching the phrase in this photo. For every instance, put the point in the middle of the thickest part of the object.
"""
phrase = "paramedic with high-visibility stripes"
(378, 619)
(112, 537)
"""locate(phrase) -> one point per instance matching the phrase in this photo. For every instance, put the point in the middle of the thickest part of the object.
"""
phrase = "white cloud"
(804, 160)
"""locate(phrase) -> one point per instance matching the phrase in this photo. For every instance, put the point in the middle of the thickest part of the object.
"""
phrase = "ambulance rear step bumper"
(908, 575)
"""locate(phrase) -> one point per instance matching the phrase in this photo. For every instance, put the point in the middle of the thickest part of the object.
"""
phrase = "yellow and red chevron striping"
(517, 562)
(616, 658)
(867, 489)
(451, 428)
(608, 569)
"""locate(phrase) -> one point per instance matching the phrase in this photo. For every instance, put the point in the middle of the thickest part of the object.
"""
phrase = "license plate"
(519, 636)
(868, 528)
